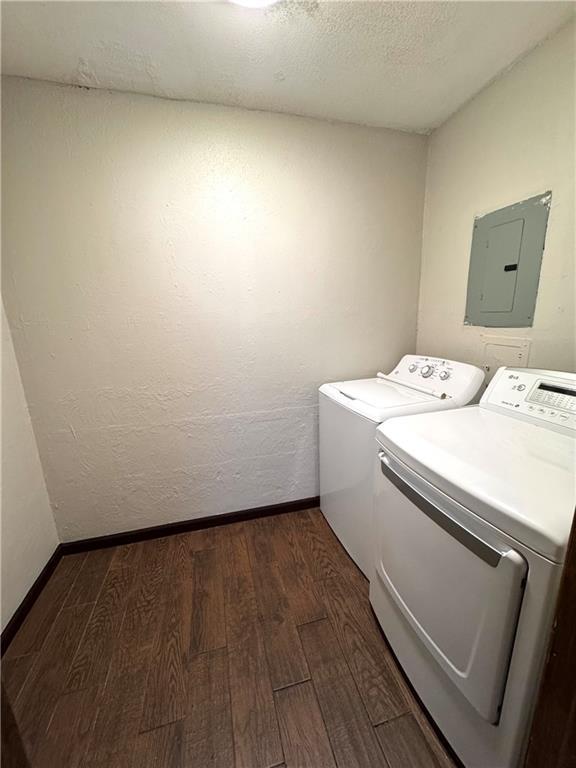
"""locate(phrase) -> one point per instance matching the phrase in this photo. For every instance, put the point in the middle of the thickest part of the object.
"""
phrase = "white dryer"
(350, 411)
(472, 515)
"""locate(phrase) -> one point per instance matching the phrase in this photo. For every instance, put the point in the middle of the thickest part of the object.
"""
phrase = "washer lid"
(380, 393)
(378, 399)
(520, 477)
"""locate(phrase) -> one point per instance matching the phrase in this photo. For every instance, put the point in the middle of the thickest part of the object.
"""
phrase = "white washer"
(350, 411)
(472, 516)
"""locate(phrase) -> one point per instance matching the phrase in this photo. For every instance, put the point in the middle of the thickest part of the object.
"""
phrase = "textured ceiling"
(406, 65)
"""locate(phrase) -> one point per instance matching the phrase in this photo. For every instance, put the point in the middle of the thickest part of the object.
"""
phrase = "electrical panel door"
(507, 248)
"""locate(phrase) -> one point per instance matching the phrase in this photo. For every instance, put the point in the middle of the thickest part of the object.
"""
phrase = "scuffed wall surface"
(180, 278)
(28, 532)
(515, 140)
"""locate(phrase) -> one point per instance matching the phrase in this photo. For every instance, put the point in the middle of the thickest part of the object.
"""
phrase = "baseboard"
(183, 526)
(23, 609)
(140, 534)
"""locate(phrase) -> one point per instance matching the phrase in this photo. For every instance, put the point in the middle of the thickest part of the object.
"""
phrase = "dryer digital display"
(543, 396)
(554, 396)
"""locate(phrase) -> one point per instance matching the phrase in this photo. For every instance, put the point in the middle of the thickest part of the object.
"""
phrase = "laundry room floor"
(249, 644)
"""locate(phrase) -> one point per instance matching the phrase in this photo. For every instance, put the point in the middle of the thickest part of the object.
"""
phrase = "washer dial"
(426, 371)
(444, 375)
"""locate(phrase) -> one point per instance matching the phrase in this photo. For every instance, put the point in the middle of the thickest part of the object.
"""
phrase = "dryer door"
(457, 584)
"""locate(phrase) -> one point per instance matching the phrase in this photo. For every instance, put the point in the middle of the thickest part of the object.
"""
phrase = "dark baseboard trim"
(140, 534)
(23, 609)
(169, 529)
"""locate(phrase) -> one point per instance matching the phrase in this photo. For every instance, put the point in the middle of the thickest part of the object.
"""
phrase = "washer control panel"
(545, 396)
(434, 368)
(441, 378)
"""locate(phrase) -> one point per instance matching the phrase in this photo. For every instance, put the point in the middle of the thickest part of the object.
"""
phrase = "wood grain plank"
(256, 736)
(325, 556)
(43, 686)
(12, 749)
(208, 741)
(91, 662)
(145, 602)
(166, 699)
(182, 557)
(239, 595)
(70, 729)
(313, 542)
(120, 709)
(286, 660)
(405, 745)
(160, 748)
(295, 573)
(14, 673)
(204, 538)
(88, 583)
(419, 713)
(304, 737)
(352, 737)
(365, 651)
(344, 564)
(37, 624)
(260, 535)
(129, 555)
(208, 630)
(441, 754)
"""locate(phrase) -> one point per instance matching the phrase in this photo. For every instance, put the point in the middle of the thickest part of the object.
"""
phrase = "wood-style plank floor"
(249, 645)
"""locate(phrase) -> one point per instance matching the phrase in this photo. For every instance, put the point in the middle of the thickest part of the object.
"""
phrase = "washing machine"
(472, 515)
(350, 411)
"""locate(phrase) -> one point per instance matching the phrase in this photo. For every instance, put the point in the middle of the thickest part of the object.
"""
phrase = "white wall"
(180, 278)
(514, 140)
(28, 532)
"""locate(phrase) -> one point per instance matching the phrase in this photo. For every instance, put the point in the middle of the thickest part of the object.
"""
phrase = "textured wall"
(180, 278)
(515, 140)
(28, 532)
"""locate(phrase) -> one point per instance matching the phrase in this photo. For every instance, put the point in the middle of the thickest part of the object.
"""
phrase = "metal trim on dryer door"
(488, 553)
(454, 580)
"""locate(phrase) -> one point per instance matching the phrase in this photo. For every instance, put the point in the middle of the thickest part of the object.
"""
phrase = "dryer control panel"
(439, 377)
(548, 397)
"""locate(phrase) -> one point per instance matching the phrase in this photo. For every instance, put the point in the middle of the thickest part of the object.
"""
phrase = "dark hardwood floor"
(249, 645)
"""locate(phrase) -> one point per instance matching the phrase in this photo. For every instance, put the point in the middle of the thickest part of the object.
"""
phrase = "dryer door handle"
(480, 548)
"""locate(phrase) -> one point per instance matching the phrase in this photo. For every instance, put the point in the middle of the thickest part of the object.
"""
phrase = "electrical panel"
(505, 260)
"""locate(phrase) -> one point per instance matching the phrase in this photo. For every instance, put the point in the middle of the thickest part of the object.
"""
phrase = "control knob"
(412, 367)
(444, 375)
(426, 371)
